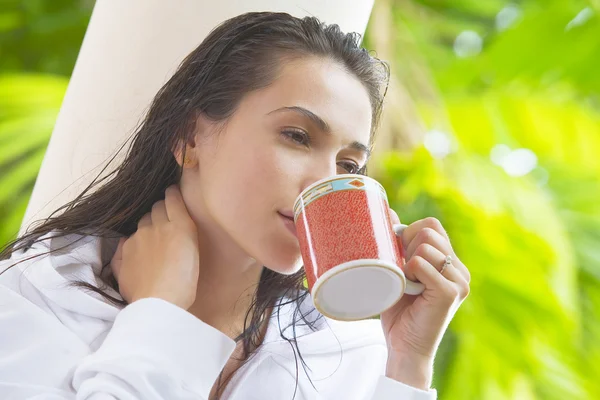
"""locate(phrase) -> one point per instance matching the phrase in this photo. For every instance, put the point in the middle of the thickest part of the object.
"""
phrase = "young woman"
(179, 275)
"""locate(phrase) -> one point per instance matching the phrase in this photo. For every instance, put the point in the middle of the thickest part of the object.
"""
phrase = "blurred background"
(492, 125)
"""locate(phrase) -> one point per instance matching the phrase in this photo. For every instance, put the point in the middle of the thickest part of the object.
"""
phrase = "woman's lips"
(289, 223)
(287, 213)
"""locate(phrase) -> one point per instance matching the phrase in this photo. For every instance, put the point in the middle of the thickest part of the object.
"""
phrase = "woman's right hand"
(161, 258)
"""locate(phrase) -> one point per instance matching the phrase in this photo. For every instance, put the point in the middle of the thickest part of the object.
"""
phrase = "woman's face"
(312, 122)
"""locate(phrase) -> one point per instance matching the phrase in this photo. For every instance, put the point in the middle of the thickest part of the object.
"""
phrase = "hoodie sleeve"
(155, 350)
(390, 389)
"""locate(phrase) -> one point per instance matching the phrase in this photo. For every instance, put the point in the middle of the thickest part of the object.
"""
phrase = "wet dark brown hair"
(241, 55)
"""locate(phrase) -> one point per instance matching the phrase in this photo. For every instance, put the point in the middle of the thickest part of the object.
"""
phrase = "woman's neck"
(227, 283)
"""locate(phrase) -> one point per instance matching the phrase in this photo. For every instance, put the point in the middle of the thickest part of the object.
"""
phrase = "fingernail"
(399, 228)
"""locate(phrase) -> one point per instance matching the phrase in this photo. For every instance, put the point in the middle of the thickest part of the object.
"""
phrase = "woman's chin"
(283, 262)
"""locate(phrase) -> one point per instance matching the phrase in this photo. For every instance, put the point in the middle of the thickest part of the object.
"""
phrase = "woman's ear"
(199, 127)
(185, 155)
(188, 160)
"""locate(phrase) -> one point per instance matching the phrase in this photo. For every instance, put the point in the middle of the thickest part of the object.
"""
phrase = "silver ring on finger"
(447, 262)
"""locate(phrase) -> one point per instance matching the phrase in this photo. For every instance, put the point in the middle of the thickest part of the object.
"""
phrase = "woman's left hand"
(414, 326)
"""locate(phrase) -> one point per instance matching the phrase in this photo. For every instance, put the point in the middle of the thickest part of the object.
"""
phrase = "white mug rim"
(332, 178)
(360, 263)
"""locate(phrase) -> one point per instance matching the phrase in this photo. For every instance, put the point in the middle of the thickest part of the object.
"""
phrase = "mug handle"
(412, 288)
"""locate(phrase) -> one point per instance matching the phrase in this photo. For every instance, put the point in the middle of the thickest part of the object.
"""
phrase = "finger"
(430, 222)
(399, 231)
(146, 220)
(437, 259)
(159, 212)
(394, 217)
(432, 237)
(175, 206)
(418, 269)
(436, 283)
(462, 268)
(115, 262)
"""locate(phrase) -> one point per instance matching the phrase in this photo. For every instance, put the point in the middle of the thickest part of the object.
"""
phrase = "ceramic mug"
(352, 259)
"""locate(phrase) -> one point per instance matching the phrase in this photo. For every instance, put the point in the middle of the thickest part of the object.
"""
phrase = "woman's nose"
(317, 173)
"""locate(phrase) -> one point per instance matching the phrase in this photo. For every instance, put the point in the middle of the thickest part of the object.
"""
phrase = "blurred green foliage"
(39, 43)
(42, 36)
(492, 85)
(29, 104)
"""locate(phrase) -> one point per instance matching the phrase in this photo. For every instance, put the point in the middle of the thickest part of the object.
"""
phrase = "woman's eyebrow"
(322, 125)
(361, 147)
(307, 113)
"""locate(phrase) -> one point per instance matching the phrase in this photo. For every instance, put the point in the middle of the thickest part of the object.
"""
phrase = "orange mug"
(352, 259)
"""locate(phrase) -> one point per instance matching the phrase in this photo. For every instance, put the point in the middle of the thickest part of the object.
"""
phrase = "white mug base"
(358, 289)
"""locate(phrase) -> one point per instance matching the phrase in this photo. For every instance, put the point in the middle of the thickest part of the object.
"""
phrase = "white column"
(130, 50)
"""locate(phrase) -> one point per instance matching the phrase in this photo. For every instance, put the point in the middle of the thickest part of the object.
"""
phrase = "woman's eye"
(296, 136)
(351, 167)
(300, 137)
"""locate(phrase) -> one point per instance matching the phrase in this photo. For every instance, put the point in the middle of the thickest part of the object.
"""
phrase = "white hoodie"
(60, 342)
